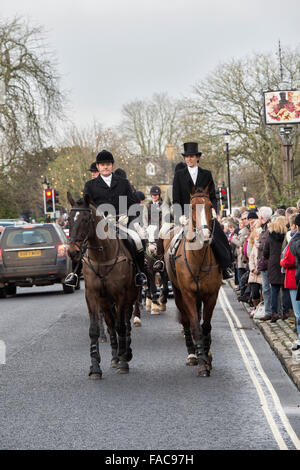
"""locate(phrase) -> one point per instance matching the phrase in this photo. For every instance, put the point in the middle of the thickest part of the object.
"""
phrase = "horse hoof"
(203, 371)
(162, 307)
(137, 321)
(123, 368)
(148, 304)
(95, 376)
(114, 363)
(155, 309)
(191, 360)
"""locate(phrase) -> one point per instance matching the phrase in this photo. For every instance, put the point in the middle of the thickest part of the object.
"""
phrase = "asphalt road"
(48, 402)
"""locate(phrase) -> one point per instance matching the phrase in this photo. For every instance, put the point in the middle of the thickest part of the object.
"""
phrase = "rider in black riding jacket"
(106, 189)
(193, 175)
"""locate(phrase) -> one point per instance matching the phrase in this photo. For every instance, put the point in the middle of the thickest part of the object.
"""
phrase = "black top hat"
(93, 167)
(155, 190)
(104, 157)
(191, 148)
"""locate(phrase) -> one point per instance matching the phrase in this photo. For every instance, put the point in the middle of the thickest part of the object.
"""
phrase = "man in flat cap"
(107, 189)
(195, 176)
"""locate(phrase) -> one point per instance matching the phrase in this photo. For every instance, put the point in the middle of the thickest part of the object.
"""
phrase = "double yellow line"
(246, 349)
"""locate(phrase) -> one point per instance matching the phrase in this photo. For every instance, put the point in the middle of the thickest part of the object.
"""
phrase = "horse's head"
(201, 208)
(80, 226)
(152, 236)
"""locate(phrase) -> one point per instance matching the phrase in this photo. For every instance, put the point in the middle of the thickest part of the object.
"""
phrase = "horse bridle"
(84, 245)
(198, 229)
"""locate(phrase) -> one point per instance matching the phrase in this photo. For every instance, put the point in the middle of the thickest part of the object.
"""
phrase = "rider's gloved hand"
(123, 220)
(183, 220)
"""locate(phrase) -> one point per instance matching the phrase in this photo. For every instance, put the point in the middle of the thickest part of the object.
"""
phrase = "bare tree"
(33, 100)
(149, 125)
(30, 109)
(230, 98)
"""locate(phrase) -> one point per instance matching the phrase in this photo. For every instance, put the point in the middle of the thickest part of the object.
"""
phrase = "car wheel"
(11, 290)
(68, 289)
(2, 293)
(77, 287)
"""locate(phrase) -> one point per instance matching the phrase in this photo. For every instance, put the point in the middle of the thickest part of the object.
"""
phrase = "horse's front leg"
(164, 294)
(204, 364)
(185, 322)
(137, 313)
(103, 337)
(128, 314)
(94, 333)
(208, 308)
(110, 319)
(123, 340)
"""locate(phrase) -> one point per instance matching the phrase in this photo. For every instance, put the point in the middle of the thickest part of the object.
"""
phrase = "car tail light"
(61, 251)
(1, 256)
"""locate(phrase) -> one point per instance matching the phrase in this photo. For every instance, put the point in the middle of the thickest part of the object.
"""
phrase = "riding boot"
(140, 277)
(222, 251)
(159, 264)
(138, 259)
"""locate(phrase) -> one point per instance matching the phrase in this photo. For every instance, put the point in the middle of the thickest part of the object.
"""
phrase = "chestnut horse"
(109, 273)
(196, 279)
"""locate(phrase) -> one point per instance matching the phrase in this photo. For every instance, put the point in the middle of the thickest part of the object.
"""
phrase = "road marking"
(2, 352)
(284, 419)
(263, 400)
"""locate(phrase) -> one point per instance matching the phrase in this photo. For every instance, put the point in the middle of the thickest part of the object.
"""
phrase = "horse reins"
(84, 246)
(196, 278)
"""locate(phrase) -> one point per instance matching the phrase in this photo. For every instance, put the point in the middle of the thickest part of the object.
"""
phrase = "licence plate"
(29, 254)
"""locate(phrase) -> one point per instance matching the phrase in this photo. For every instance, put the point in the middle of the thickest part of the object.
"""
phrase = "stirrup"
(71, 280)
(140, 279)
(157, 264)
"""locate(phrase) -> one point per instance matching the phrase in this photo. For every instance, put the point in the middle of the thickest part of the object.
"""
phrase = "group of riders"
(109, 189)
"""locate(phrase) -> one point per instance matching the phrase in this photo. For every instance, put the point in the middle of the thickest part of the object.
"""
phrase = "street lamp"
(227, 142)
(245, 191)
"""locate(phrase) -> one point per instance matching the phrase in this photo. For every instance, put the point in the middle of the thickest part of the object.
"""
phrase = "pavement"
(280, 336)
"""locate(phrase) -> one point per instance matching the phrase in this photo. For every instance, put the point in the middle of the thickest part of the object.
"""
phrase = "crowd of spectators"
(265, 245)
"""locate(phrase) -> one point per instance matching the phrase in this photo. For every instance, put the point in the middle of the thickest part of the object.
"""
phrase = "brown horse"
(108, 272)
(196, 279)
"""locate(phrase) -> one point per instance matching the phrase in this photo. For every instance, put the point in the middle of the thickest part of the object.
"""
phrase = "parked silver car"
(33, 255)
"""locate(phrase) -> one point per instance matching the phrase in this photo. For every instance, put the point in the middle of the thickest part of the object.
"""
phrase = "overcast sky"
(112, 52)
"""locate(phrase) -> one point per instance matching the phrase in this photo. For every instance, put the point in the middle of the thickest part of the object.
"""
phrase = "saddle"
(173, 247)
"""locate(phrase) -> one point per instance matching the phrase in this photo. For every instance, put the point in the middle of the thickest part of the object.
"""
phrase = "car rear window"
(36, 236)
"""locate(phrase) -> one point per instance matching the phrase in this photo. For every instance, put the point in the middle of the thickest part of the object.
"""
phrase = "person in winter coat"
(272, 251)
(264, 215)
(254, 280)
(295, 250)
(289, 263)
(238, 241)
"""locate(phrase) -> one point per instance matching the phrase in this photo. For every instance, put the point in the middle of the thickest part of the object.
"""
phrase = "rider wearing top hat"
(106, 189)
(194, 175)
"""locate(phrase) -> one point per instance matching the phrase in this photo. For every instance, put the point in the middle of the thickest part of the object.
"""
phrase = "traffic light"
(224, 197)
(49, 203)
(56, 197)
